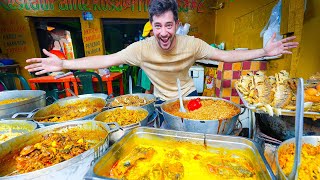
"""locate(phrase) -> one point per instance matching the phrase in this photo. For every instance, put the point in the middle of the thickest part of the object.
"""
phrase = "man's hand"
(279, 47)
(43, 65)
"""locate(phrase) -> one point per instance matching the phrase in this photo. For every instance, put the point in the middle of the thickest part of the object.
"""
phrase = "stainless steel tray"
(215, 141)
(46, 111)
(284, 112)
(74, 168)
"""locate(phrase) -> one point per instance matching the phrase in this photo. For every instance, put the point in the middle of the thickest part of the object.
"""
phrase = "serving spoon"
(182, 109)
(298, 130)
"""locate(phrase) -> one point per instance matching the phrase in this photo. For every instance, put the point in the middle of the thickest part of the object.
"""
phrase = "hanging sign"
(94, 5)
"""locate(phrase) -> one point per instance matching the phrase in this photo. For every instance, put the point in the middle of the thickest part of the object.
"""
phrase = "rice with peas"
(210, 110)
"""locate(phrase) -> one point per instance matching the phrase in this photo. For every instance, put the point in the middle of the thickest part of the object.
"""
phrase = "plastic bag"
(183, 30)
(273, 25)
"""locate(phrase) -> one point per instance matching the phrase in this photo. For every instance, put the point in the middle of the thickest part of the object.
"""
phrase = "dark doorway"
(71, 28)
(119, 33)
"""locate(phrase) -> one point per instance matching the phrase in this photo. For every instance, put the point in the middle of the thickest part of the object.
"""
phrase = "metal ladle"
(298, 129)
(182, 109)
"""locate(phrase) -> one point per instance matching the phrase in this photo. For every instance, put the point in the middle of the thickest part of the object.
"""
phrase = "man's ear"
(178, 23)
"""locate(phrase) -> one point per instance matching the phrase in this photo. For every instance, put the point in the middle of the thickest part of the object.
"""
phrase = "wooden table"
(108, 79)
(50, 79)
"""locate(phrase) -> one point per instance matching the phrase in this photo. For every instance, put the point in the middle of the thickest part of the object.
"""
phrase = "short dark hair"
(158, 7)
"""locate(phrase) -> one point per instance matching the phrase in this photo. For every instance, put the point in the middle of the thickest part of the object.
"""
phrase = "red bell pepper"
(194, 104)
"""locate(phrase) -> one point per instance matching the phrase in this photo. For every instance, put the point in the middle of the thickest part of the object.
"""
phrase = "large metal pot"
(149, 107)
(74, 168)
(47, 111)
(213, 126)
(313, 140)
(283, 127)
(14, 126)
(37, 100)
(122, 130)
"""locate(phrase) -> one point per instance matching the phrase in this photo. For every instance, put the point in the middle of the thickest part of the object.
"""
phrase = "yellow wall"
(242, 19)
(309, 57)
(239, 24)
(19, 41)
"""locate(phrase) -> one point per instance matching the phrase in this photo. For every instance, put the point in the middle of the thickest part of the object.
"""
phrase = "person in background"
(57, 46)
(165, 56)
(145, 81)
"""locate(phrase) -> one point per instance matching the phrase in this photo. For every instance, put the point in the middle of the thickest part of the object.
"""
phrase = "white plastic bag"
(273, 25)
(183, 30)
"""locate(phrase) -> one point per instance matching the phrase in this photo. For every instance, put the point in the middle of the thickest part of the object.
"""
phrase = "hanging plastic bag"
(180, 30)
(273, 25)
(183, 30)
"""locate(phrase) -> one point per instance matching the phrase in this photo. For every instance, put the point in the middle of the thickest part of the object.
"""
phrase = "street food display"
(310, 160)
(159, 163)
(68, 111)
(157, 159)
(273, 94)
(51, 147)
(14, 100)
(124, 116)
(209, 110)
(130, 100)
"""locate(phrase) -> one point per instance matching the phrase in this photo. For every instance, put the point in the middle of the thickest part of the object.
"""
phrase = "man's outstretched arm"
(53, 63)
(272, 48)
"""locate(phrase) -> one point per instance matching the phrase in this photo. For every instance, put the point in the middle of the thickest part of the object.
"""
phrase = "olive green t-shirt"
(164, 67)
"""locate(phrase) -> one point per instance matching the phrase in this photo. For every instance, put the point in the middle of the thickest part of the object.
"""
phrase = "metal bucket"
(213, 126)
(122, 130)
(313, 140)
(149, 107)
(73, 168)
(46, 111)
(37, 100)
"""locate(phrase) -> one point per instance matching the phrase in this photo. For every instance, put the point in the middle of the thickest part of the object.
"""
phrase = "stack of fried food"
(271, 94)
(312, 94)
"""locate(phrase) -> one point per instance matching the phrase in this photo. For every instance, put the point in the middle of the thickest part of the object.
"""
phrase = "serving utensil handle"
(298, 129)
